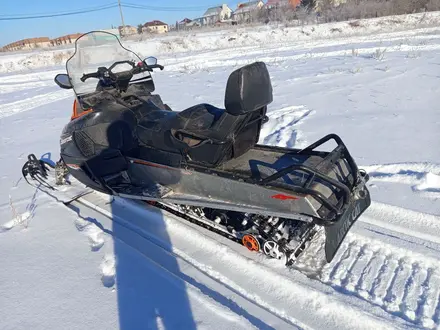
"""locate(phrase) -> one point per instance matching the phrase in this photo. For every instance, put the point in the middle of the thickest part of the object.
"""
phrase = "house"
(245, 10)
(67, 39)
(127, 30)
(27, 44)
(155, 27)
(186, 23)
(214, 14)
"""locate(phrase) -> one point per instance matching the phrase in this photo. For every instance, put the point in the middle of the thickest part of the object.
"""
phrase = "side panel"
(200, 187)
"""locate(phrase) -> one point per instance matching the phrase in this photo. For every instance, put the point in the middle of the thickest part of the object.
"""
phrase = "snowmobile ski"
(52, 179)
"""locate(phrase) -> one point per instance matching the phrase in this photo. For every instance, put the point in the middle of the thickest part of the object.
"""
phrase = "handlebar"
(89, 75)
(156, 66)
(103, 72)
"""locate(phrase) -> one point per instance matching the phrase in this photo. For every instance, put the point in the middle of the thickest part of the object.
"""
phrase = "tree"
(139, 28)
(309, 5)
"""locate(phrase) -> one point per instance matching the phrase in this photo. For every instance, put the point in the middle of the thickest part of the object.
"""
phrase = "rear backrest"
(248, 89)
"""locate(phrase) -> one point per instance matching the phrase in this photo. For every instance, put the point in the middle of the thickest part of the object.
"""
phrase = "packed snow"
(107, 263)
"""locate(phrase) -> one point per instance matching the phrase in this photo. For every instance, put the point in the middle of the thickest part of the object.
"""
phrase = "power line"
(160, 8)
(80, 11)
(57, 12)
(103, 7)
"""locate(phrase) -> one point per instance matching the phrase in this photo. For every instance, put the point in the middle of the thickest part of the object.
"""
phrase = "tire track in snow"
(27, 104)
(424, 226)
(256, 283)
(393, 278)
(17, 87)
(199, 285)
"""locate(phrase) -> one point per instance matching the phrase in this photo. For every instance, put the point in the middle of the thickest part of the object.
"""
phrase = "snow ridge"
(423, 177)
(9, 109)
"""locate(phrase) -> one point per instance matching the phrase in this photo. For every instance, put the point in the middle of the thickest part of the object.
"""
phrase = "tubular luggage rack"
(334, 210)
(339, 152)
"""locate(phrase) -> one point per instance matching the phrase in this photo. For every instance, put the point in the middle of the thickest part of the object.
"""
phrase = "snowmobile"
(203, 163)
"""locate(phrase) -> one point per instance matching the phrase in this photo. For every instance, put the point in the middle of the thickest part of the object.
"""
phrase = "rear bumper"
(335, 233)
(331, 195)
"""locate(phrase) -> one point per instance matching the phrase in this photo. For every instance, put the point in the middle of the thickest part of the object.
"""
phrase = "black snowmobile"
(203, 163)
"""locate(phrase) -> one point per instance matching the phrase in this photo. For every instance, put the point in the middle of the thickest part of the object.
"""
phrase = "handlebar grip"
(89, 75)
(156, 66)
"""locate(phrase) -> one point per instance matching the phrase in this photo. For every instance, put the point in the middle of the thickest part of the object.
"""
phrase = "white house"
(155, 26)
(215, 14)
(245, 10)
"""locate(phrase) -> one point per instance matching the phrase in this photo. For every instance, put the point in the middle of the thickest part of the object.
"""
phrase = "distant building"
(183, 23)
(215, 14)
(29, 43)
(127, 30)
(245, 10)
(187, 24)
(67, 39)
(155, 27)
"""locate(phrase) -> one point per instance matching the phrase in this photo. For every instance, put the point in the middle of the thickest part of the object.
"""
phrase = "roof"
(185, 20)
(247, 6)
(28, 41)
(154, 23)
(213, 11)
(277, 2)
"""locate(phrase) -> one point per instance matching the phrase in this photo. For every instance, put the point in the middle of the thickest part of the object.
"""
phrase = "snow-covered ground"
(116, 265)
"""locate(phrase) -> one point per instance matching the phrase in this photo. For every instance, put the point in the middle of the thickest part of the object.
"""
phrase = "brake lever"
(161, 67)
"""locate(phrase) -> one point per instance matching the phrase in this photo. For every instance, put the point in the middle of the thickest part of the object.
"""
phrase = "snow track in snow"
(9, 109)
(382, 270)
(281, 124)
(402, 283)
(211, 292)
(423, 226)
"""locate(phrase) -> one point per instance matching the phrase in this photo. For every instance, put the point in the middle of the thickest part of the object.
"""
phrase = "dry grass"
(62, 57)
(18, 218)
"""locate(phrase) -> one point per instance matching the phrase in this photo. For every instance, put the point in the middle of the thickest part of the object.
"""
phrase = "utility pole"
(122, 16)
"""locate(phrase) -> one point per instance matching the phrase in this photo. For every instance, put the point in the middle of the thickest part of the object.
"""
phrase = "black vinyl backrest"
(248, 89)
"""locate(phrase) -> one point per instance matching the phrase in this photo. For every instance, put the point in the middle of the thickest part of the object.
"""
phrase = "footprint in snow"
(108, 271)
(93, 233)
(282, 129)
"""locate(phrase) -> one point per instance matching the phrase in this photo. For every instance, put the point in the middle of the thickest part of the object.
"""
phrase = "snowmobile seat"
(208, 135)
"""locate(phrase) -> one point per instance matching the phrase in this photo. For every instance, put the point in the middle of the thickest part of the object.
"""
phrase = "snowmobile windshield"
(97, 49)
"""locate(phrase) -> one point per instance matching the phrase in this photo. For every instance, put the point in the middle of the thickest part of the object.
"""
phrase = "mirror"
(63, 81)
(150, 61)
